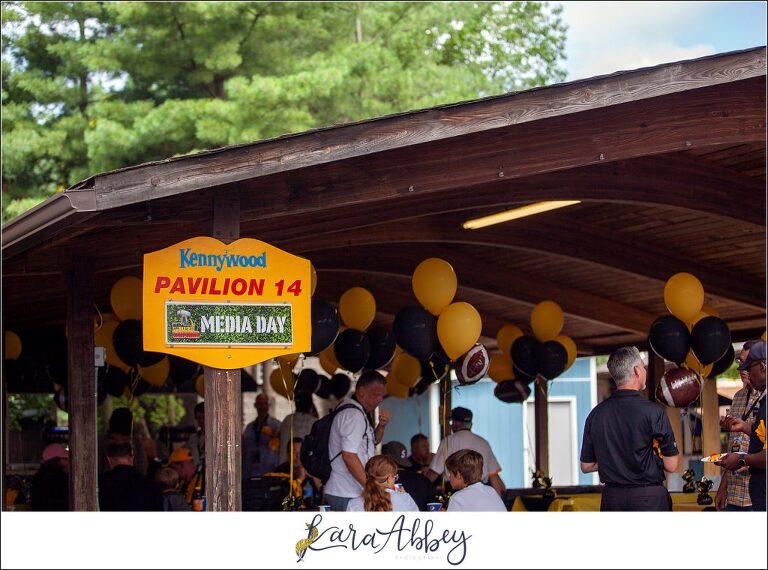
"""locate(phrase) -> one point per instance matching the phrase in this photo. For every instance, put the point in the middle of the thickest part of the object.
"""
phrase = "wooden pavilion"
(668, 164)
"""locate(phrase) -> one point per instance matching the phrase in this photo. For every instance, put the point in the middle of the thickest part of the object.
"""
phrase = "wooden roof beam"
(474, 275)
(571, 241)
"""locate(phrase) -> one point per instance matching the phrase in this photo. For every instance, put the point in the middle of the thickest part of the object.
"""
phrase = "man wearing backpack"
(352, 439)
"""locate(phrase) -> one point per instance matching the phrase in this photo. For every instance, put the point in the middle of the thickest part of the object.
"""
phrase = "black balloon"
(340, 384)
(551, 358)
(421, 386)
(710, 339)
(416, 332)
(724, 363)
(115, 381)
(325, 326)
(436, 367)
(523, 353)
(324, 387)
(352, 349)
(308, 381)
(128, 340)
(512, 391)
(247, 382)
(382, 348)
(182, 370)
(520, 375)
(669, 338)
(139, 387)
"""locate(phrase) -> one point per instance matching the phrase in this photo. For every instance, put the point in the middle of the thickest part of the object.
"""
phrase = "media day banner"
(226, 305)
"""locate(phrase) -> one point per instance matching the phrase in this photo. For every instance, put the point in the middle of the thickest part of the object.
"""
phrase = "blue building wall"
(500, 423)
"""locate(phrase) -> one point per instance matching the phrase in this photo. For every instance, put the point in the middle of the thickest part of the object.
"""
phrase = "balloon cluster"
(436, 334)
(547, 353)
(130, 370)
(693, 336)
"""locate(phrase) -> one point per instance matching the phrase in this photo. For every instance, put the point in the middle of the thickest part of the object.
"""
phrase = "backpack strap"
(341, 409)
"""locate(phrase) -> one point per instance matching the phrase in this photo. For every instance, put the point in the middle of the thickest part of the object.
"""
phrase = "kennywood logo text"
(416, 536)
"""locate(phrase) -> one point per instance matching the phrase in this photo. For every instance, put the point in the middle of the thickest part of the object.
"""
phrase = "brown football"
(678, 388)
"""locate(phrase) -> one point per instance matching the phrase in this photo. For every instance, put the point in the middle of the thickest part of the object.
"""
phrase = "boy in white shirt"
(465, 469)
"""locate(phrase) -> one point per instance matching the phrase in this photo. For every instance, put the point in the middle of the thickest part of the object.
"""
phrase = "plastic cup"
(434, 506)
(324, 508)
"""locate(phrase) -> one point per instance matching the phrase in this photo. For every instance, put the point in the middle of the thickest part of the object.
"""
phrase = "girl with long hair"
(380, 492)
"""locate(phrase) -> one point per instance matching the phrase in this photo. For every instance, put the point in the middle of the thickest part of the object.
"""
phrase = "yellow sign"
(226, 305)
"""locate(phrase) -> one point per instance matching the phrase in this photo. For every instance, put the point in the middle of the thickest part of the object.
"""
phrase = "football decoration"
(678, 388)
(472, 365)
(512, 391)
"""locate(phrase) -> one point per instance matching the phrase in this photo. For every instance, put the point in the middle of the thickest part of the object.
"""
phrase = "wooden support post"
(223, 399)
(81, 388)
(710, 424)
(4, 382)
(223, 429)
(541, 423)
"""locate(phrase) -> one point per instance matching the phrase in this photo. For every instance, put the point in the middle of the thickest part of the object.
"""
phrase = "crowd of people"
(627, 439)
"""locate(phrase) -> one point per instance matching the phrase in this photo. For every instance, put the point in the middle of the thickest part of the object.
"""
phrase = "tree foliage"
(91, 87)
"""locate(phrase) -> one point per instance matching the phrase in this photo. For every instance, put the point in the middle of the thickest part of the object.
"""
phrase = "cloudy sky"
(604, 37)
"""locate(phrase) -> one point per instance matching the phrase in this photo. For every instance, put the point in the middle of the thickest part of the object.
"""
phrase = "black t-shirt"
(125, 489)
(619, 434)
(757, 476)
(417, 486)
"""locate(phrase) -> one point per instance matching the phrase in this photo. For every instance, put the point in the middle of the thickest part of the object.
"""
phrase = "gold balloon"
(357, 308)
(156, 374)
(312, 280)
(407, 370)
(692, 363)
(458, 328)
(126, 298)
(200, 385)
(570, 348)
(700, 315)
(500, 368)
(12, 345)
(710, 310)
(684, 296)
(326, 362)
(289, 358)
(764, 335)
(547, 320)
(395, 388)
(103, 337)
(279, 382)
(434, 284)
(506, 336)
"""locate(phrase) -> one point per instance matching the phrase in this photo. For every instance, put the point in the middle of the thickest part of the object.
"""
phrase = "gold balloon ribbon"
(303, 545)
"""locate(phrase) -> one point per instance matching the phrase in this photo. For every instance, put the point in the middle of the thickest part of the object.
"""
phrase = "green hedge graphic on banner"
(228, 324)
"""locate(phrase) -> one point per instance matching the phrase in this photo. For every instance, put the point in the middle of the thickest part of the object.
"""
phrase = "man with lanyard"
(733, 493)
(261, 441)
(754, 460)
(629, 441)
(352, 440)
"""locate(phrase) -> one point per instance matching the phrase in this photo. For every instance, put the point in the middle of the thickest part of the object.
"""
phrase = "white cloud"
(604, 37)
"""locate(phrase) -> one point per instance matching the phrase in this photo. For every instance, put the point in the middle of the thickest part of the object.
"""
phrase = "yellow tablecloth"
(590, 502)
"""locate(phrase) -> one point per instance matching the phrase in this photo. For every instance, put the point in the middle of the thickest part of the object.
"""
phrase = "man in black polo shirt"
(755, 458)
(629, 441)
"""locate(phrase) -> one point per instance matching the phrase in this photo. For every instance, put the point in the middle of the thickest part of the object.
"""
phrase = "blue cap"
(756, 354)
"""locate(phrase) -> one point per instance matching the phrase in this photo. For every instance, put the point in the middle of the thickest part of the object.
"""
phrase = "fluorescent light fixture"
(507, 215)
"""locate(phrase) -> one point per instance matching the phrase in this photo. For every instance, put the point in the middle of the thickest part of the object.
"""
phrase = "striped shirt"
(738, 483)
